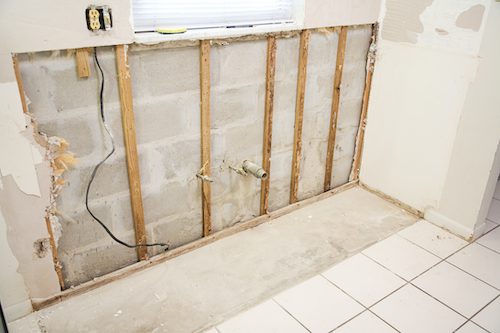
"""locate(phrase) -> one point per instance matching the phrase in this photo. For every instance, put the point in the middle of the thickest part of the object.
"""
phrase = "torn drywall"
(402, 20)
(471, 18)
(17, 158)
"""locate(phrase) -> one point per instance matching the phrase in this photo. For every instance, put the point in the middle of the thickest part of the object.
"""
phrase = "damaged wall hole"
(167, 212)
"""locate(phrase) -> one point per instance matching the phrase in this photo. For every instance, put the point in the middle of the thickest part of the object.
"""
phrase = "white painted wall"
(473, 170)
(427, 103)
(328, 13)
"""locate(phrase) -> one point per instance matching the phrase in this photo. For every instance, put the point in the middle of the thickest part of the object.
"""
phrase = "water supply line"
(248, 167)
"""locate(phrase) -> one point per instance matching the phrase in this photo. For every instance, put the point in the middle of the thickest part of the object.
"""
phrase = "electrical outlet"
(99, 18)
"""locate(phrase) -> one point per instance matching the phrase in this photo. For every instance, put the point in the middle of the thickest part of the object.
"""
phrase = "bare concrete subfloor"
(201, 288)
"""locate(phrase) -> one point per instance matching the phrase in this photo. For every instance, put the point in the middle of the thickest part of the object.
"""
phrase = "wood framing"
(82, 63)
(268, 123)
(337, 80)
(55, 254)
(299, 114)
(127, 112)
(20, 85)
(205, 134)
(239, 227)
(360, 139)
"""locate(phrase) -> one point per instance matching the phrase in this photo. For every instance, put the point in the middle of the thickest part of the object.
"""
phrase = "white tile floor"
(422, 279)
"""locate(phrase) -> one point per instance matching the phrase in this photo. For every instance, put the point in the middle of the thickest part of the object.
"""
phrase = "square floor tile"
(364, 323)
(491, 240)
(455, 288)
(470, 327)
(363, 279)
(267, 317)
(433, 239)
(479, 261)
(489, 317)
(494, 212)
(490, 225)
(410, 310)
(401, 257)
(318, 305)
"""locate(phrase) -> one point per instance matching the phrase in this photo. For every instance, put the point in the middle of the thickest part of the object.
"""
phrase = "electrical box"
(99, 18)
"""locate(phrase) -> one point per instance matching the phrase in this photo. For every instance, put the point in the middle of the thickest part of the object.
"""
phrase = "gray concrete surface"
(166, 104)
(206, 286)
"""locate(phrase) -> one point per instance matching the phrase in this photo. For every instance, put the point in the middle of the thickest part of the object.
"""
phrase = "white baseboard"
(453, 226)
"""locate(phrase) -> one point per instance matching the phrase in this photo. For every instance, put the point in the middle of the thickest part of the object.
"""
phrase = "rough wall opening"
(166, 95)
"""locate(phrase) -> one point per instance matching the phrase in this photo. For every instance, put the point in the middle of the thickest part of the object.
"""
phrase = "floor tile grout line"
(366, 308)
(487, 232)
(284, 309)
(463, 270)
(376, 315)
(488, 219)
(351, 297)
(442, 259)
(488, 248)
(448, 306)
(409, 282)
(428, 251)
(481, 309)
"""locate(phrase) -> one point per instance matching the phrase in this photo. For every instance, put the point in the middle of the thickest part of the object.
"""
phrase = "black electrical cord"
(94, 172)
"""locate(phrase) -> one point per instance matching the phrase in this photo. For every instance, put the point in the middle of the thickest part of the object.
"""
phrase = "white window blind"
(152, 14)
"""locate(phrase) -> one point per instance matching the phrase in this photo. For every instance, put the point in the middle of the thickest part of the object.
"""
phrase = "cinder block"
(345, 141)
(84, 265)
(287, 58)
(284, 114)
(80, 132)
(244, 141)
(164, 71)
(279, 192)
(358, 42)
(80, 229)
(241, 205)
(111, 178)
(341, 171)
(312, 171)
(322, 52)
(349, 112)
(179, 160)
(239, 64)
(353, 81)
(168, 116)
(178, 230)
(236, 104)
(174, 198)
(52, 84)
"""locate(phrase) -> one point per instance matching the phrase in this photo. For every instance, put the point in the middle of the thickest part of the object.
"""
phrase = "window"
(194, 14)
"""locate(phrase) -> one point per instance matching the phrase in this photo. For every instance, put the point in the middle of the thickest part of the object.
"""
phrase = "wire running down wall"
(166, 97)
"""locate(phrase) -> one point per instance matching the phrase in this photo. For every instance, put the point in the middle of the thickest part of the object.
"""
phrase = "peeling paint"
(402, 20)
(471, 18)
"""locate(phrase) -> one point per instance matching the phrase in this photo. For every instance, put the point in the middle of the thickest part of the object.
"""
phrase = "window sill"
(155, 38)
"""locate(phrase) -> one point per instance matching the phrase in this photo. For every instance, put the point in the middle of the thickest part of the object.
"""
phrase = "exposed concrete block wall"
(166, 104)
